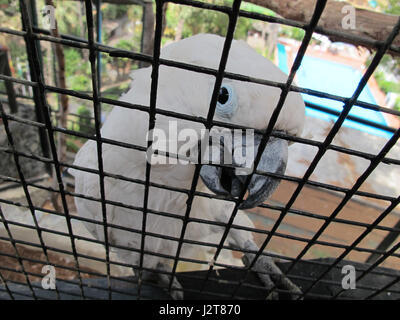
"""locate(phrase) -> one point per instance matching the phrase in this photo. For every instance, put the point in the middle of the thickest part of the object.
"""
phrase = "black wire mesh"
(33, 35)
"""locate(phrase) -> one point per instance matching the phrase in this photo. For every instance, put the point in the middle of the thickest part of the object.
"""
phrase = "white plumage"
(188, 93)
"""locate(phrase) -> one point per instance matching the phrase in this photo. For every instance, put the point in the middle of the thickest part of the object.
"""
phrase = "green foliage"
(397, 104)
(389, 63)
(250, 7)
(385, 85)
(242, 28)
(71, 146)
(73, 61)
(9, 13)
(202, 21)
(83, 111)
(293, 33)
(80, 82)
(393, 7)
(126, 45)
(77, 72)
(11, 18)
(85, 121)
(68, 18)
(113, 12)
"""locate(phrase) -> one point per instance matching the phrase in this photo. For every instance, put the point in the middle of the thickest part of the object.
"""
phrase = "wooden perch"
(369, 24)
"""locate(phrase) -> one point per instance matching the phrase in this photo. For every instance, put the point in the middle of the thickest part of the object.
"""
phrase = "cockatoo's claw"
(274, 278)
(163, 280)
(175, 294)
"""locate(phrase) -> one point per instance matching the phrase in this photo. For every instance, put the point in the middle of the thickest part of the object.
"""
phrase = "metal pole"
(385, 244)
(5, 69)
(39, 108)
(99, 20)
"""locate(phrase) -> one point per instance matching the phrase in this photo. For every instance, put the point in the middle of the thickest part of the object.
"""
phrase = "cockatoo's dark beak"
(229, 181)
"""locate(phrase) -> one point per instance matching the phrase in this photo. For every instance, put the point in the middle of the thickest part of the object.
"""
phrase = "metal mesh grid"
(44, 123)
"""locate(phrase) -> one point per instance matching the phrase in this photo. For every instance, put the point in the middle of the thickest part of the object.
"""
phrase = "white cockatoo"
(186, 92)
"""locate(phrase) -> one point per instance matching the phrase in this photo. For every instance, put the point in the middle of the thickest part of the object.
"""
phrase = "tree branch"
(148, 32)
(371, 25)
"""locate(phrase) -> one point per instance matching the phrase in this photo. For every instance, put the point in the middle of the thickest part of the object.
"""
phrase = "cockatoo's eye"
(227, 102)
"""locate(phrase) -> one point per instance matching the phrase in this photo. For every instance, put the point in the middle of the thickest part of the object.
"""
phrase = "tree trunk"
(164, 20)
(179, 29)
(272, 31)
(63, 108)
(369, 24)
(148, 32)
(82, 28)
(60, 77)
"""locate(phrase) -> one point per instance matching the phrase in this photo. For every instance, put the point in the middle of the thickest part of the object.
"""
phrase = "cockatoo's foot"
(163, 280)
(276, 278)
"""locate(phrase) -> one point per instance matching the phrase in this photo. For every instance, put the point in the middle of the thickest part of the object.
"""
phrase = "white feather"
(188, 93)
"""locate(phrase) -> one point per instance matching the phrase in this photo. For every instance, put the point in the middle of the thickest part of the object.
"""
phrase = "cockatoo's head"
(241, 103)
